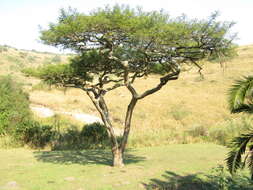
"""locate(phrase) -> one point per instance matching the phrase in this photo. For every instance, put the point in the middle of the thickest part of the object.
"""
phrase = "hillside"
(13, 60)
(189, 105)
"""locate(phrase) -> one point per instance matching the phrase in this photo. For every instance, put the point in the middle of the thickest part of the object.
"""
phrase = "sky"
(20, 19)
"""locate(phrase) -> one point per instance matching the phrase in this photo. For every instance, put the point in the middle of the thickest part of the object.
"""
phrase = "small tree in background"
(241, 100)
(116, 46)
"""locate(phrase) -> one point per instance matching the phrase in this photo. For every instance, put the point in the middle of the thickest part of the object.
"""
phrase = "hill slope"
(189, 105)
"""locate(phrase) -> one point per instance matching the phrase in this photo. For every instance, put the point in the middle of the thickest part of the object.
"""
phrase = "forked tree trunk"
(118, 149)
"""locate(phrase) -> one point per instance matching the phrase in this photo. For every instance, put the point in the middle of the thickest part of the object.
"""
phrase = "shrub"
(14, 106)
(34, 134)
(91, 136)
(95, 133)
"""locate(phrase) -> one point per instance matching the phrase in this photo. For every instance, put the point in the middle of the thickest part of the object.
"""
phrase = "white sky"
(20, 19)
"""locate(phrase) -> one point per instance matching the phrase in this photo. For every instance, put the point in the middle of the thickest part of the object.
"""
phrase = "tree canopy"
(115, 46)
(111, 39)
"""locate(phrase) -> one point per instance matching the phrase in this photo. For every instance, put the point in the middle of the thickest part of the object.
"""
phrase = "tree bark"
(117, 153)
(117, 158)
(127, 126)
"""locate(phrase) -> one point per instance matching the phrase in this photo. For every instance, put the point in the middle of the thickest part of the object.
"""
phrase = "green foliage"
(241, 100)
(241, 96)
(15, 117)
(238, 147)
(225, 55)
(92, 136)
(218, 179)
(151, 42)
(58, 74)
(95, 133)
(14, 106)
(35, 135)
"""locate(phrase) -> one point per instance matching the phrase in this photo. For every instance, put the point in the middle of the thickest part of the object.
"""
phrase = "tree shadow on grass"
(199, 181)
(100, 157)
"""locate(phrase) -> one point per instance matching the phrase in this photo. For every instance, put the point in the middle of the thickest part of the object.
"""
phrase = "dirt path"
(45, 112)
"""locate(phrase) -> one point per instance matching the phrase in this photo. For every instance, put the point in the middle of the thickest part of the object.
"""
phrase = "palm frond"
(238, 146)
(241, 90)
(250, 159)
(246, 108)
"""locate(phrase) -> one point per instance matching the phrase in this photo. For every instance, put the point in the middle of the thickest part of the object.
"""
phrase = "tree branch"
(163, 81)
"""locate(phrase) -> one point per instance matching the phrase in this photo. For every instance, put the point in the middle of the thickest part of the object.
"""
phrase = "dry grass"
(13, 60)
(180, 105)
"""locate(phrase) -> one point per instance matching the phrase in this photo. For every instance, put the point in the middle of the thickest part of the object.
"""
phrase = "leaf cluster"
(241, 95)
(239, 146)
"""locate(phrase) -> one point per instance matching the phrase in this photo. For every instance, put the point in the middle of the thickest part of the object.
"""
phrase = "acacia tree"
(116, 46)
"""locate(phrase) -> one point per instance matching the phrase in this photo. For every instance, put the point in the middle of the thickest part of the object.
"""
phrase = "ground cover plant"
(116, 46)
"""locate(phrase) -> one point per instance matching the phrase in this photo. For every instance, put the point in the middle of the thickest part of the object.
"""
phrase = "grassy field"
(81, 170)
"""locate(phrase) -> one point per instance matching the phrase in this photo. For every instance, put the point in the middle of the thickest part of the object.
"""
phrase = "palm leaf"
(238, 94)
(250, 159)
(238, 146)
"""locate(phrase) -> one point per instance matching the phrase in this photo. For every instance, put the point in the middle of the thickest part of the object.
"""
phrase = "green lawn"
(81, 170)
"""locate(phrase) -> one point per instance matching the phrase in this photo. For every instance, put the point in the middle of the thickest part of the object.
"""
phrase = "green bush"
(91, 136)
(95, 133)
(34, 134)
(15, 117)
(14, 106)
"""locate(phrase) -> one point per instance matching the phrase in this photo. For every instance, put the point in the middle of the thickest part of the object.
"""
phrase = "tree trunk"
(117, 158)
(127, 126)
